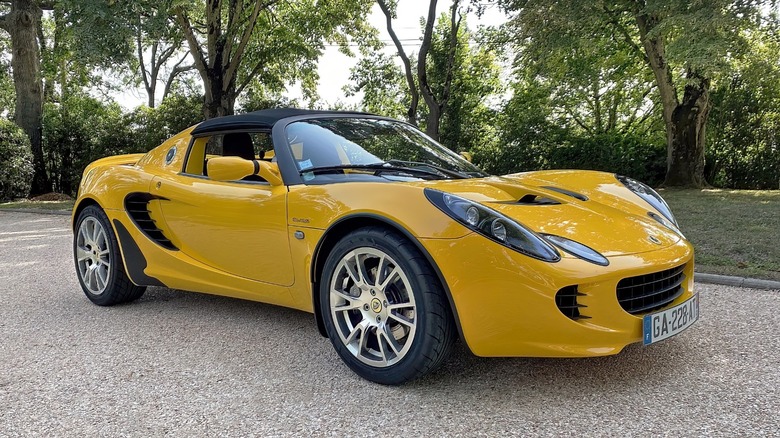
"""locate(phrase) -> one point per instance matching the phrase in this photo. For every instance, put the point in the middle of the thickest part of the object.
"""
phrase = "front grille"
(649, 292)
(566, 300)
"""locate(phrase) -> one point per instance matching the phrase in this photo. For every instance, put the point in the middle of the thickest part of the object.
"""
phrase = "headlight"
(493, 225)
(651, 196)
(577, 249)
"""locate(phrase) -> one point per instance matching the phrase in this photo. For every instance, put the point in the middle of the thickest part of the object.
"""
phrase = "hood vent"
(574, 195)
(532, 199)
(137, 206)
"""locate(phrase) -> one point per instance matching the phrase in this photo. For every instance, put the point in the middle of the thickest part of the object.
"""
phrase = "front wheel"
(98, 260)
(384, 308)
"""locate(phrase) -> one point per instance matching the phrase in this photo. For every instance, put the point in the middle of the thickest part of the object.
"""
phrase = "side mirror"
(466, 155)
(236, 168)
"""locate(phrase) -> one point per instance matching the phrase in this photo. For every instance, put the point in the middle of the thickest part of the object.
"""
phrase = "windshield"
(386, 148)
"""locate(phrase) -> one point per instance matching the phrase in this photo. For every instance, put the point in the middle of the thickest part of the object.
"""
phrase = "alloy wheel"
(373, 307)
(93, 255)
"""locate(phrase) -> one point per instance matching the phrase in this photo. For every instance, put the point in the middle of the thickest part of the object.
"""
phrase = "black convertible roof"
(263, 119)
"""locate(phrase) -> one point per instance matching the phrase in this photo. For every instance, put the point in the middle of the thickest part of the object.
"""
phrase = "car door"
(238, 227)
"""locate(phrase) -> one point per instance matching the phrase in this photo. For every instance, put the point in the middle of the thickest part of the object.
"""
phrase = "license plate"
(661, 325)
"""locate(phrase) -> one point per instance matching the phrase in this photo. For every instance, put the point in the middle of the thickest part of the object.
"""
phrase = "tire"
(388, 320)
(99, 264)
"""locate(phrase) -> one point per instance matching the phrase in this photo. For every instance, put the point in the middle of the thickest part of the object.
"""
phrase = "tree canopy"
(674, 92)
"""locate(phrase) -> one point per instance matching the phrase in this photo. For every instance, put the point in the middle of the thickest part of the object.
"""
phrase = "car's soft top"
(263, 119)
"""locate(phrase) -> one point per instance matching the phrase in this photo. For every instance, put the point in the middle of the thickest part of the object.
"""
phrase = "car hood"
(592, 208)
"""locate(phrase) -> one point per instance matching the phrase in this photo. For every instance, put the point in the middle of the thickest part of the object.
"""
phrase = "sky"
(334, 67)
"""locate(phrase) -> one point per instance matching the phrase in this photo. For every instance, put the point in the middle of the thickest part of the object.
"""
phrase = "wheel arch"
(344, 226)
(84, 203)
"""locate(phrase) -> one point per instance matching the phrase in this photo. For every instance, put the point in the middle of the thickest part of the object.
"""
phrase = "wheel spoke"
(354, 272)
(380, 269)
(357, 330)
(101, 275)
(363, 341)
(349, 306)
(386, 282)
(90, 278)
(381, 343)
(390, 340)
(94, 229)
(82, 253)
(343, 295)
(360, 265)
(398, 306)
(402, 319)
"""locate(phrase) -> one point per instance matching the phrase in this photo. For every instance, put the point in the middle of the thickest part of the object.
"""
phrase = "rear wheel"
(384, 308)
(98, 260)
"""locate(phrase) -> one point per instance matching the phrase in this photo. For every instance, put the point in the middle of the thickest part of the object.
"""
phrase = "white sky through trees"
(334, 67)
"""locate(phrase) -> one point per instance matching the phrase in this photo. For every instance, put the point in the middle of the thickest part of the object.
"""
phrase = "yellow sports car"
(397, 245)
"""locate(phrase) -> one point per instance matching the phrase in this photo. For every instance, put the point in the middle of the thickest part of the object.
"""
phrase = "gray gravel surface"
(185, 364)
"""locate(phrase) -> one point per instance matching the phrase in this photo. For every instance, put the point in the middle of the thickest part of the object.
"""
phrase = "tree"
(464, 78)
(7, 93)
(22, 22)
(435, 102)
(683, 44)
(469, 77)
(385, 90)
(411, 114)
(233, 43)
(154, 33)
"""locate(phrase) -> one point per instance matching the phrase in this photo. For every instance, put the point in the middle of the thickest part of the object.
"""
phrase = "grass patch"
(735, 232)
(37, 205)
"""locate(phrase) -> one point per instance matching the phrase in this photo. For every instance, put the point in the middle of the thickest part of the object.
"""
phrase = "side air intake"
(137, 206)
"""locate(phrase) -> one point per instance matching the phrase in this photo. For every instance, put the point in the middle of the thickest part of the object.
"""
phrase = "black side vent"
(137, 206)
(531, 199)
(574, 195)
(566, 300)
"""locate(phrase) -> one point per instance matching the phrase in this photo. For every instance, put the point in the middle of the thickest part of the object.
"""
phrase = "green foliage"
(383, 85)
(745, 121)
(147, 128)
(468, 122)
(73, 136)
(531, 138)
(16, 170)
(83, 129)
(7, 91)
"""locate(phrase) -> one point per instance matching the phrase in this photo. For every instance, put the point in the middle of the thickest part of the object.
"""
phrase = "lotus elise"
(397, 245)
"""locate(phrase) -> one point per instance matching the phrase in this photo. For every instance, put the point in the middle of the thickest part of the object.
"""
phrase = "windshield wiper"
(417, 164)
(377, 168)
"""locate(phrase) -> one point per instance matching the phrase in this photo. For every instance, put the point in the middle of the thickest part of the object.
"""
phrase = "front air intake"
(645, 293)
(566, 300)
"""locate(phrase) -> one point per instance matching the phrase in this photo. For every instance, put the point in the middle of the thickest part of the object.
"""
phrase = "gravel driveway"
(187, 364)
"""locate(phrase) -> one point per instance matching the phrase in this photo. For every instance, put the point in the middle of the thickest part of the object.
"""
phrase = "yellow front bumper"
(505, 301)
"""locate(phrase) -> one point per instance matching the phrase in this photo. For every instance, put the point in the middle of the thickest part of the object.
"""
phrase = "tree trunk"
(26, 64)
(685, 122)
(686, 151)
(411, 113)
(220, 98)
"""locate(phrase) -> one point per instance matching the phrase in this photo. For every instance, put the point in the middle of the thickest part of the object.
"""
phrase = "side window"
(249, 146)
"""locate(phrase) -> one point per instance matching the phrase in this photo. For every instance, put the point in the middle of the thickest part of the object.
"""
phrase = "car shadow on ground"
(265, 326)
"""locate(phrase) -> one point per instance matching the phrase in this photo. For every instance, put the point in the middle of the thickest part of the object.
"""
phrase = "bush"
(16, 170)
(82, 129)
(626, 154)
(73, 136)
